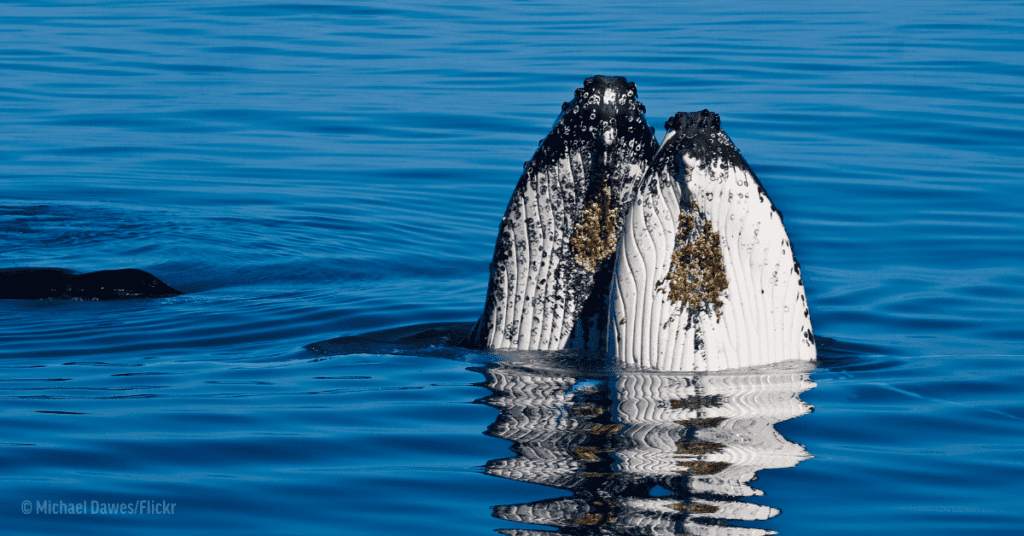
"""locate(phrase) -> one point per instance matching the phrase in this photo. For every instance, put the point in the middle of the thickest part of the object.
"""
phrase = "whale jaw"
(560, 230)
(670, 258)
(705, 277)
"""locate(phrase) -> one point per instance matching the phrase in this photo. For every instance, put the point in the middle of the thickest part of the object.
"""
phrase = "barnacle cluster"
(593, 240)
(696, 275)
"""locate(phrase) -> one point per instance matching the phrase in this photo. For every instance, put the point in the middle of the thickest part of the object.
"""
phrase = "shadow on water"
(407, 339)
(639, 452)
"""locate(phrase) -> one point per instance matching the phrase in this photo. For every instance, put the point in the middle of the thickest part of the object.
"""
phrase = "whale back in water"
(62, 284)
(705, 276)
(552, 264)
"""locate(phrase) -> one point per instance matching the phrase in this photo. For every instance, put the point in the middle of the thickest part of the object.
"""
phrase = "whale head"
(719, 286)
(556, 242)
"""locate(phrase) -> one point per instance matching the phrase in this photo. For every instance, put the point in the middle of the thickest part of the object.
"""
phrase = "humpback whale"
(705, 277)
(670, 257)
(62, 284)
(554, 255)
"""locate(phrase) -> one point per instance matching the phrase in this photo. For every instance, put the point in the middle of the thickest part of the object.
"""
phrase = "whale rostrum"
(669, 258)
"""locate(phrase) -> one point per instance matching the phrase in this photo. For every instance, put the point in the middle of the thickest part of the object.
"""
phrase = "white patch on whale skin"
(608, 135)
(764, 315)
(610, 96)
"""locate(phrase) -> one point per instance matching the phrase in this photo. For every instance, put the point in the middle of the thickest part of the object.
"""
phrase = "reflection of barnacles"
(696, 275)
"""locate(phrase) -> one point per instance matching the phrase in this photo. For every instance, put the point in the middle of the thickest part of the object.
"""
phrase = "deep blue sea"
(306, 171)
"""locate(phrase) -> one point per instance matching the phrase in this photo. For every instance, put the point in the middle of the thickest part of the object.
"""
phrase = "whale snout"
(670, 257)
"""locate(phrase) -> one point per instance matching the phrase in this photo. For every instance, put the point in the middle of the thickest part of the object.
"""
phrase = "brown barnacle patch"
(588, 411)
(603, 429)
(696, 274)
(593, 239)
(703, 468)
(588, 454)
(696, 448)
(710, 422)
(588, 519)
(695, 402)
(603, 513)
(695, 508)
(599, 475)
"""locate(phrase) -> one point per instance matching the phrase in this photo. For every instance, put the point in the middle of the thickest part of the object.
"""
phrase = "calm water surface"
(310, 171)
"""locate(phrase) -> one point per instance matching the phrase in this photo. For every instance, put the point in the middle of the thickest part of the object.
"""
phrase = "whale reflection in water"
(613, 440)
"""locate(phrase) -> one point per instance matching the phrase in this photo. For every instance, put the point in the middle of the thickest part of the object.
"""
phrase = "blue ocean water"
(308, 171)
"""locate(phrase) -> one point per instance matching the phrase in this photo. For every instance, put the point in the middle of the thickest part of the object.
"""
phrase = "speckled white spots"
(608, 135)
(610, 96)
(532, 312)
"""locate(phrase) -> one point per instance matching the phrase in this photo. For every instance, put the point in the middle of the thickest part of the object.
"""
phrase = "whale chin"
(552, 264)
(705, 277)
(668, 258)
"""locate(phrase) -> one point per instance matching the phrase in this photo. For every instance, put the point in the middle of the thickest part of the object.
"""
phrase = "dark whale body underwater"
(668, 258)
(61, 284)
